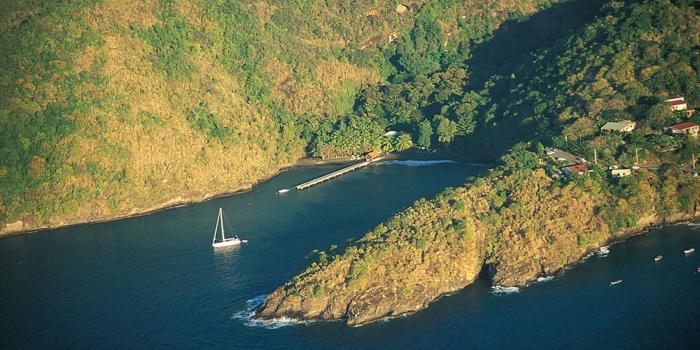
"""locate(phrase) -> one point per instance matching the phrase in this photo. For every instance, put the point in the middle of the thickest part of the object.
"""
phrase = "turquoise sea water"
(155, 282)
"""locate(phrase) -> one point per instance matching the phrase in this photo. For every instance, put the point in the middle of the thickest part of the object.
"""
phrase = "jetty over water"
(337, 173)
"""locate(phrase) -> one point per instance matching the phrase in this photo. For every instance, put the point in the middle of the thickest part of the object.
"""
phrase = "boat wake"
(499, 290)
(247, 314)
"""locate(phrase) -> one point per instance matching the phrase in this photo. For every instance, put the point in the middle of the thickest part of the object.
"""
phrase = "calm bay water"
(155, 282)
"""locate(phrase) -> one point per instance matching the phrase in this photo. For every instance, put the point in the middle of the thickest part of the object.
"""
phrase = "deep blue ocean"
(154, 282)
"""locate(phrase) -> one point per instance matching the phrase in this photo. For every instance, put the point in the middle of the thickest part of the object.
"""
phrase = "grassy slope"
(120, 106)
(529, 222)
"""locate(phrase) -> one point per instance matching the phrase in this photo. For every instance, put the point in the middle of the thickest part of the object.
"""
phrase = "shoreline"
(648, 225)
(180, 202)
(625, 235)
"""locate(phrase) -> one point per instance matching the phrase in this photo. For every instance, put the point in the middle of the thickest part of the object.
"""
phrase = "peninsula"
(630, 162)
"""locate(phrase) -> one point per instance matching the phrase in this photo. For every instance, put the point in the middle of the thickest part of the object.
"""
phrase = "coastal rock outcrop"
(398, 268)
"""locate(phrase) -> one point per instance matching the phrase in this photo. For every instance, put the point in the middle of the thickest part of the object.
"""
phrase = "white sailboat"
(224, 242)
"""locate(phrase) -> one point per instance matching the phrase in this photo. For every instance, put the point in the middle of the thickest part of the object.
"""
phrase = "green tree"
(446, 129)
(425, 134)
(403, 142)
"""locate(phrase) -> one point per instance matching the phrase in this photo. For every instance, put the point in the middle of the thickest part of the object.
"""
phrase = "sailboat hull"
(228, 242)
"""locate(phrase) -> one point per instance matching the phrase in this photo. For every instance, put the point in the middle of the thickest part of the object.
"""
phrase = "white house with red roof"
(687, 128)
(575, 169)
(677, 103)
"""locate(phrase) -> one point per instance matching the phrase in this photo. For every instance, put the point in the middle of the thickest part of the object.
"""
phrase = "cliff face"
(521, 225)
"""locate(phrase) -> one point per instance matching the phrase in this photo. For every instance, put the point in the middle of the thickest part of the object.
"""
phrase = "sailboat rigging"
(224, 242)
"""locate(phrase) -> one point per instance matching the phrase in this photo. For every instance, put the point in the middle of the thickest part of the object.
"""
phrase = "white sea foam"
(588, 256)
(499, 290)
(544, 279)
(246, 315)
(604, 251)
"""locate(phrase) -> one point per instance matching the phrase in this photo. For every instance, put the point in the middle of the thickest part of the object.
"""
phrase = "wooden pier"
(337, 173)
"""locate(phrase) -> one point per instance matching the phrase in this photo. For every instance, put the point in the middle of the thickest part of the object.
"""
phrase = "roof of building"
(578, 168)
(676, 101)
(683, 126)
(618, 125)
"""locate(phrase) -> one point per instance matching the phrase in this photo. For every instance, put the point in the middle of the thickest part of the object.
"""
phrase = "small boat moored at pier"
(284, 190)
(689, 251)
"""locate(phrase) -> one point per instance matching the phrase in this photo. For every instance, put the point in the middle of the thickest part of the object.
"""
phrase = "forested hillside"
(112, 108)
(533, 214)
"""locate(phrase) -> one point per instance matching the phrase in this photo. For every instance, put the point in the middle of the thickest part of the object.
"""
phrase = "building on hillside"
(619, 126)
(618, 173)
(677, 104)
(686, 128)
(575, 169)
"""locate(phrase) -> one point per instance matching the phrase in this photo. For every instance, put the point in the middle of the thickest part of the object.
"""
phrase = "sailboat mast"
(221, 214)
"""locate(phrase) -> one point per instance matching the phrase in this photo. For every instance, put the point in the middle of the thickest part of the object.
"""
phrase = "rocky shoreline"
(354, 318)
(647, 224)
(535, 228)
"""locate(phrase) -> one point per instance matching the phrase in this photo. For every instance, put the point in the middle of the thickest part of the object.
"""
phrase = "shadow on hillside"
(514, 42)
(511, 49)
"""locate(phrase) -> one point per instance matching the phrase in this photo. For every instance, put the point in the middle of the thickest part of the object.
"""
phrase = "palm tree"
(403, 142)
(385, 144)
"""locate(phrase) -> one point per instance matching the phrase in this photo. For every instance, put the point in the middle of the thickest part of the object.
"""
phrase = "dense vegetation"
(110, 108)
(526, 218)
(119, 107)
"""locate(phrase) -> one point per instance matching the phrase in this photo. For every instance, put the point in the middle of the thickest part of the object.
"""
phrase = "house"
(391, 133)
(687, 128)
(618, 173)
(575, 169)
(677, 104)
(619, 126)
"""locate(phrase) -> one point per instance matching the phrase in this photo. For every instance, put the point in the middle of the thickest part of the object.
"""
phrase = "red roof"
(676, 101)
(683, 126)
(578, 168)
